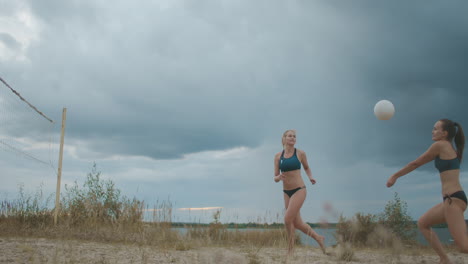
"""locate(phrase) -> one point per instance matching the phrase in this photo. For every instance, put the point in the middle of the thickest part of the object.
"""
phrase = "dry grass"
(97, 212)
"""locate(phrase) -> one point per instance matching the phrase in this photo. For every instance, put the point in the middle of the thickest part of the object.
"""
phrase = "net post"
(59, 172)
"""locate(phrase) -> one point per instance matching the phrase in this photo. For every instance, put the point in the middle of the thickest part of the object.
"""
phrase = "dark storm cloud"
(417, 56)
(162, 81)
(162, 92)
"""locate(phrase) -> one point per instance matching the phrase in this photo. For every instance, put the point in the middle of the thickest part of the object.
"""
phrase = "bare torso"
(292, 179)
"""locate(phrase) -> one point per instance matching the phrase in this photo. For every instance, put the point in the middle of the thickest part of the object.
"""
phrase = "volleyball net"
(28, 141)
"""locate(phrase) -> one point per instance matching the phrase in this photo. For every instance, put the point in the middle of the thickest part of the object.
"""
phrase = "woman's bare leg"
(456, 223)
(293, 206)
(306, 229)
(435, 215)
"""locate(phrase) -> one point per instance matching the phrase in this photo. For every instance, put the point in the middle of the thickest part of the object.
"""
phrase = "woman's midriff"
(450, 182)
(292, 180)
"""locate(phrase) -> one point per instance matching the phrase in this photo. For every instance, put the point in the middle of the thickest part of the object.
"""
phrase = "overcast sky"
(187, 100)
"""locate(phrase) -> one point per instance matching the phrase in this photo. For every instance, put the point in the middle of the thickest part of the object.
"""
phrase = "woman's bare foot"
(445, 261)
(320, 241)
(290, 254)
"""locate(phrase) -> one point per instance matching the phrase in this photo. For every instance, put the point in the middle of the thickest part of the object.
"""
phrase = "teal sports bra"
(289, 164)
(445, 165)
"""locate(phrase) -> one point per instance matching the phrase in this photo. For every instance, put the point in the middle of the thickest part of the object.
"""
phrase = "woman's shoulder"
(300, 152)
(278, 155)
(441, 146)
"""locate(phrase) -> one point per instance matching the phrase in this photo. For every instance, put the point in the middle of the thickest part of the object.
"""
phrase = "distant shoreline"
(267, 226)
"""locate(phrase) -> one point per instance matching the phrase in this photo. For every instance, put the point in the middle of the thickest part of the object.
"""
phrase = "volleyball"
(384, 110)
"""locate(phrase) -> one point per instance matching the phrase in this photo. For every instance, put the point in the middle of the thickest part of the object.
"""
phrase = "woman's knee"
(289, 220)
(298, 223)
(422, 224)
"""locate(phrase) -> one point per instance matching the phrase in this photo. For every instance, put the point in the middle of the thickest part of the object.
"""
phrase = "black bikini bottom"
(460, 195)
(293, 191)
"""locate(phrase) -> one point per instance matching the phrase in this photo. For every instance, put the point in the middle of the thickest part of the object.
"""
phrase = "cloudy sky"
(186, 101)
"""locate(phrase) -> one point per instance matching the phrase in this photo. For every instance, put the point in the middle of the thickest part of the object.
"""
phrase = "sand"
(37, 250)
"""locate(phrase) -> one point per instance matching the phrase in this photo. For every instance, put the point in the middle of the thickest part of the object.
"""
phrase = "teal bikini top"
(444, 165)
(289, 164)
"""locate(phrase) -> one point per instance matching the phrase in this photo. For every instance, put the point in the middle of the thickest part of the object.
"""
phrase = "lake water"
(330, 240)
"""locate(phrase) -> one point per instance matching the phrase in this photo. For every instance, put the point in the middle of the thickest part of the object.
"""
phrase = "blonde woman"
(287, 167)
(447, 160)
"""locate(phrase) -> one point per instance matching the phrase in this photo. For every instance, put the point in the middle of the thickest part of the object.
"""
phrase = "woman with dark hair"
(287, 168)
(447, 160)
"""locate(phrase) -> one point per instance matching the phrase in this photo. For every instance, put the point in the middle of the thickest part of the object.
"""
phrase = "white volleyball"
(384, 110)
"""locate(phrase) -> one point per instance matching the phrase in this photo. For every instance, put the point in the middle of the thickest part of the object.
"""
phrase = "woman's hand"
(279, 177)
(312, 180)
(391, 181)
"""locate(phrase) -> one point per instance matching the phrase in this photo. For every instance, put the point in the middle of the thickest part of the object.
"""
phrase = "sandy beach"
(39, 250)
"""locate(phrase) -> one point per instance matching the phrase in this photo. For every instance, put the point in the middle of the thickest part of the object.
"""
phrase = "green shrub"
(396, 218)
(387, 229)
(355, 231)
(98, 201)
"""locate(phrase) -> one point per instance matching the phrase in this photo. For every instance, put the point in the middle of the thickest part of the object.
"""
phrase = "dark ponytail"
(459, 141)
(454, 133)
